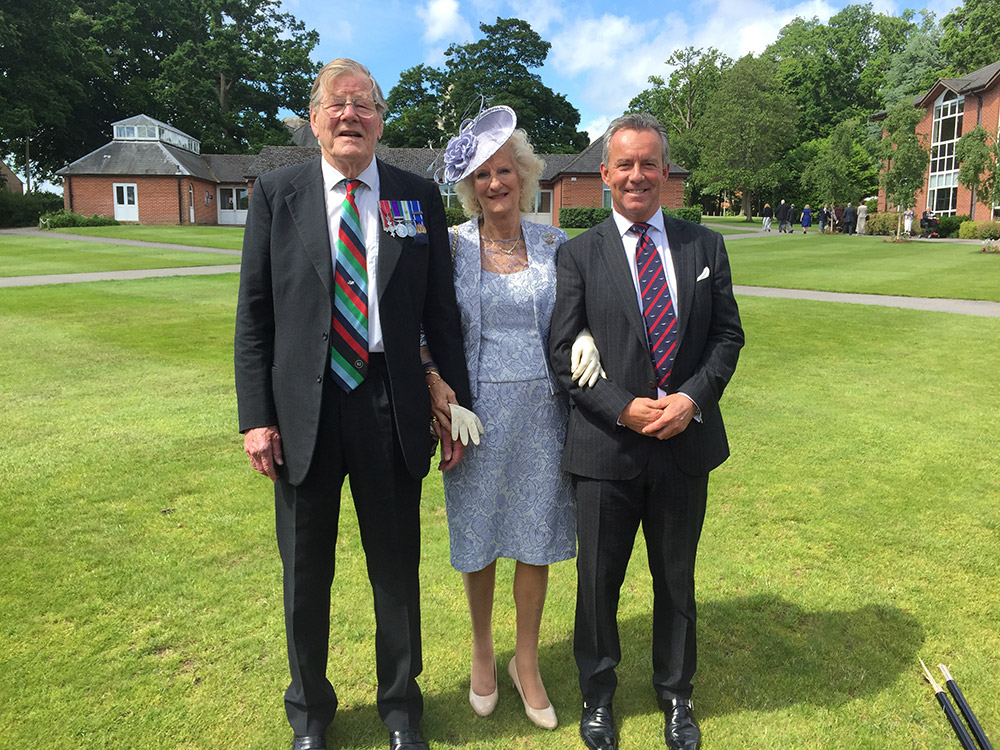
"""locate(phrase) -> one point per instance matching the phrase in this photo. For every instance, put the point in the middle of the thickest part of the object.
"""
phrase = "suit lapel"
(308, 210)
(389, 245)
(684, 258)
(612, 253)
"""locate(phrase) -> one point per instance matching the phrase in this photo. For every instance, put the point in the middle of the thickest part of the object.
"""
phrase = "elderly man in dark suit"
(344, 258)
(657, 295)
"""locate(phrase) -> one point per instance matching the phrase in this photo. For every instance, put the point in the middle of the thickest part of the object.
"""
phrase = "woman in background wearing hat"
(508, 497)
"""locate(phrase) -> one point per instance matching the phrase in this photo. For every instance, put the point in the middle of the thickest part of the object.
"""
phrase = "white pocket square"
(703, 274)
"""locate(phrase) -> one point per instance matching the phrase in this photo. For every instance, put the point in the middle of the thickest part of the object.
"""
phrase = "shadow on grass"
(758, 653)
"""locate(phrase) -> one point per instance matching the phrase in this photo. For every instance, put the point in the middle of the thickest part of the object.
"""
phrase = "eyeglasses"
(363, 108)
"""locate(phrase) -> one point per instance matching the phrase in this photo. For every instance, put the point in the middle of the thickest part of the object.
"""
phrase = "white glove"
(586, 360)
(465, 425)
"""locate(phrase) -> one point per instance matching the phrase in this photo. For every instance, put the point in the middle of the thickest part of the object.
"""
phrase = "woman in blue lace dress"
(507, 497)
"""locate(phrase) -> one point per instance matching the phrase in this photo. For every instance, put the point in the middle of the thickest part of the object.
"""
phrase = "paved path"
(957, 306)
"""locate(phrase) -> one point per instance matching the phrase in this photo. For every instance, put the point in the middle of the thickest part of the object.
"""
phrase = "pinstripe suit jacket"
(594, 289)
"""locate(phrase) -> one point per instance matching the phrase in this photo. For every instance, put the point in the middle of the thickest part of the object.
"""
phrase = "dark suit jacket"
(594, 288)
(285, 310)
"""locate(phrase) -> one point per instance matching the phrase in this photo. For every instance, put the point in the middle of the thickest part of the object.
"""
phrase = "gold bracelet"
(432, 372)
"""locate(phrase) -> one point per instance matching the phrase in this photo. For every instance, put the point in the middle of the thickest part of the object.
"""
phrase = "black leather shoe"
(597, 728)
(681, 731)
(309, 742)
(407, 739)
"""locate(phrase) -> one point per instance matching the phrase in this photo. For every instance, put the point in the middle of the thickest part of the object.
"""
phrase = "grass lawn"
(30, 256)
(840, 263)
(854, 530)
(227, 238)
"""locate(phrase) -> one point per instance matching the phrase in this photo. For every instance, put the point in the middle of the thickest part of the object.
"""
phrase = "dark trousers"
(670, 506)
(356, 439)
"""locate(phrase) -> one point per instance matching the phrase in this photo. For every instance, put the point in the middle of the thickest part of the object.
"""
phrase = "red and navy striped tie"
(349, 347)
(657, 307)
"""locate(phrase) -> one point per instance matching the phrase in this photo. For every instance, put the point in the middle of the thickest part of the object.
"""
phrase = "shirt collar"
(332, 176)
(624, 225)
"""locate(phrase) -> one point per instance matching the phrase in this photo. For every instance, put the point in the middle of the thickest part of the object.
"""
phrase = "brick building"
(152, 173)
(951, 107)
(10, 180)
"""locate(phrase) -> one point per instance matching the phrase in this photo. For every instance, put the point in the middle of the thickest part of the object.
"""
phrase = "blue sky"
(602, 53)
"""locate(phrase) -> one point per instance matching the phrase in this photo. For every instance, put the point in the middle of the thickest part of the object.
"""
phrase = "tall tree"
(748, 124)
(841, 171)
(972, 36)
(915, 68)
(498, 67)
(414, 118)
(904, 158)
(680, 101)
(980, 166)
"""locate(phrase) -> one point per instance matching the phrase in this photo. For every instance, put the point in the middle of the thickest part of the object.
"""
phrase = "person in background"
(767, 214)
(908, 221)
(850, 216)
(862, 217)
(781, 214)
(806, 219)
(824, 217)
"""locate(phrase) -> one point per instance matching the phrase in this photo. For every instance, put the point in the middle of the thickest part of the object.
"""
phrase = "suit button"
(325, 335)
(651, 384)
(319, 378)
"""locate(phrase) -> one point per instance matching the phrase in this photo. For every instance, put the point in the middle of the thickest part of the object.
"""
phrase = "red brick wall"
(571, 191)
(156, 198)
(990, 120)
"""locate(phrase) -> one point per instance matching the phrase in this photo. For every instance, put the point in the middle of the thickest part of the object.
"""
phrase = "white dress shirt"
(366, 197)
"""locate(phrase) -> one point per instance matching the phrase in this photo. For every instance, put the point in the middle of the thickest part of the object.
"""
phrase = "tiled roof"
(970, 83)
(229, 167)
(139, 158)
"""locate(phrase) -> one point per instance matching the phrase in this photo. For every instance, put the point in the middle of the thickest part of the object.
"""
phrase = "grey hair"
(528, 167)
(344, 67)
(635, 121)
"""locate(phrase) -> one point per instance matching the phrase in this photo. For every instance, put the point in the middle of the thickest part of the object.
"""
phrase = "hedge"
(587, 217)
(885, 223)
(60, 219)
(455, 215)
(23, 209)
(980, 230)
(950, 224)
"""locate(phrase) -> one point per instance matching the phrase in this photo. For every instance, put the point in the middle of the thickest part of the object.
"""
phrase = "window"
(449, 197)
(942, 185)
(606, 197)
(542, 203)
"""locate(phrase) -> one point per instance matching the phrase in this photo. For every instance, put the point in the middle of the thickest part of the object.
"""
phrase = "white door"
(191, 204)
(233, 204)
(126, 207)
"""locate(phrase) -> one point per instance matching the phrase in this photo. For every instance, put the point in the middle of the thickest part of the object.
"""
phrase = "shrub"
(61, 219)
(950, 225)
(585, 217)
(687, 213)
(23, 209)
(980, 230)
(582, 217)
(885, 223)
(455, 215)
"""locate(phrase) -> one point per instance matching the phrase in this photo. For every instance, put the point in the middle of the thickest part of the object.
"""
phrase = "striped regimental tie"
(349, 347)
(657, 307)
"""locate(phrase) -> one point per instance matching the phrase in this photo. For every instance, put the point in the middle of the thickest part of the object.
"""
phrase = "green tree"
(841, 171)
(498, 67)
(903, 156)
(48, 61)
(917, 67)
(680, 101)
(980, 166)
(748, 125)
(414, 116)
(972, 36)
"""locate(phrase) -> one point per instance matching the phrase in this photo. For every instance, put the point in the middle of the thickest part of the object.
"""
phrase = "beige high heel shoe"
(483, 705)
(542, 717)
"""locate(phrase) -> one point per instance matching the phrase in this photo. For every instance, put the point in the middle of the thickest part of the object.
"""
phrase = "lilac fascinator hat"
(477, 140)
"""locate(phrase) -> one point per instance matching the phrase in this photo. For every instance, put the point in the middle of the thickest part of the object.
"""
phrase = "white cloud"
(442, 22)
(540, 14)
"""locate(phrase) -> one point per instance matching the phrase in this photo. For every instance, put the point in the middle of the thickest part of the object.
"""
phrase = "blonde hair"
(344, 67)
(528, 167)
